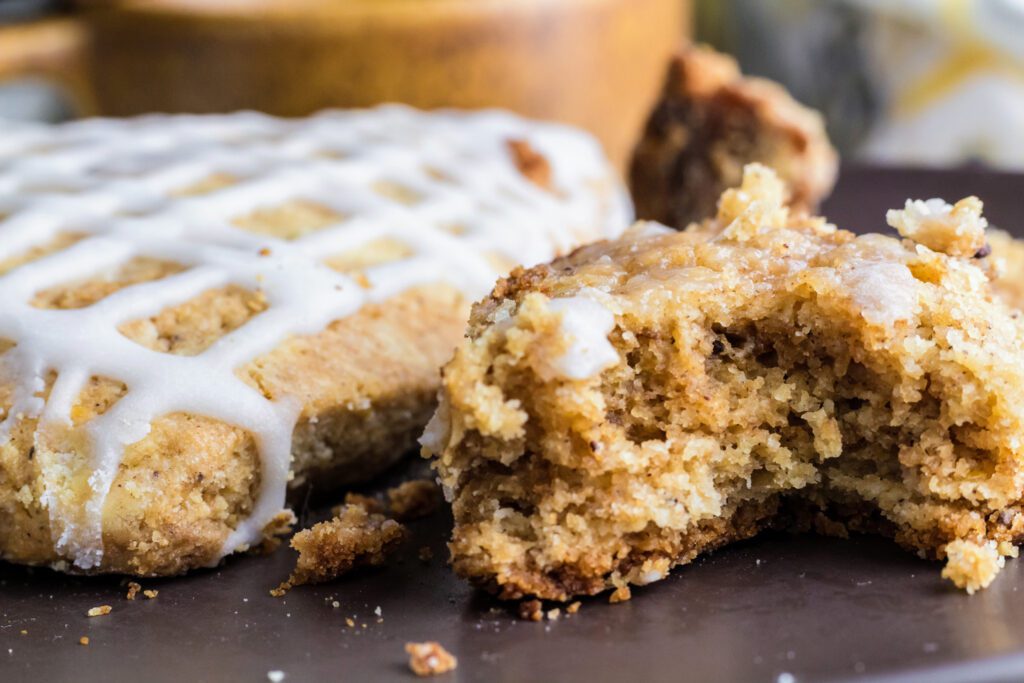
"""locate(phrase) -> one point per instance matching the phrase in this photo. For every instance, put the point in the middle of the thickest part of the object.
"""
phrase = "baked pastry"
(708, 123)
(641, 401)
(198, 311)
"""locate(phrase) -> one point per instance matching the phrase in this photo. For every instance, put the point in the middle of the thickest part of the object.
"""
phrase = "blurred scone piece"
(711, 121)
(644, 400)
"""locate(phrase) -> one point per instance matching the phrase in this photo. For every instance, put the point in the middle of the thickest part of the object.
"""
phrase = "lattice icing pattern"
(442, 192)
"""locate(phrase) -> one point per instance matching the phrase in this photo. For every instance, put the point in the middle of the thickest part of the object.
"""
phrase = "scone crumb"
(957, 230)
(414, 500)
(554, 614)
(100, 611)
(150, 594)
(279, 526)
(972, 566)
(355, 538)
(372, 505)
(84, 640)
(573, 608)
(133, 590)
(531, 610)
(275, 676)
(430, 659)
(620, 594)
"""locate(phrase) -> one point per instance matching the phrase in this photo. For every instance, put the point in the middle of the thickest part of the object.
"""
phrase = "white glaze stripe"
(112, 181)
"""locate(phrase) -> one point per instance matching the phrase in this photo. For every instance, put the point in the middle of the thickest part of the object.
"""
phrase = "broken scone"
(709, 122)
(623, 409)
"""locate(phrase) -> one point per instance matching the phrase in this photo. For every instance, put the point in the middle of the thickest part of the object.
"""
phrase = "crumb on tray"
(355, 538)
(531, 610)
(430, 659)
(972, 566)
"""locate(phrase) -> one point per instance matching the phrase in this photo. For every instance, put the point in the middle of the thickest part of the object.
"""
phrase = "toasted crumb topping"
(355, 538)
(100, 611)
(414, 500)
(430, 659)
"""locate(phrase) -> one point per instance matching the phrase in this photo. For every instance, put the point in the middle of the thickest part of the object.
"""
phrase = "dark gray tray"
(818, 609)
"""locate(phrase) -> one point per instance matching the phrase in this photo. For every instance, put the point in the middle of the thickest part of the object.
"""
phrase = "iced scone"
(708, 123)
(199, 314)
(641, 401)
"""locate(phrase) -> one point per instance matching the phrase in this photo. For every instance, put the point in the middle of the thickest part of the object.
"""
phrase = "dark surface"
(819, 609)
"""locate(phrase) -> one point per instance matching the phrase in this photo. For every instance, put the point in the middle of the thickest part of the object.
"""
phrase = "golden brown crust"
(709, 123)
(759, 359)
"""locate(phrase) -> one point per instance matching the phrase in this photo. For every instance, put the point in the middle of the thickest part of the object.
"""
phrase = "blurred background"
(920, 82)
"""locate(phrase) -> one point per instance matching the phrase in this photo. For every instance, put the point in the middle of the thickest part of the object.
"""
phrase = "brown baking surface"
(819, 609)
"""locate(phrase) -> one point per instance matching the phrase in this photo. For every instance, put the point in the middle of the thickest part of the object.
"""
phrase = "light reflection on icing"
(122, 176)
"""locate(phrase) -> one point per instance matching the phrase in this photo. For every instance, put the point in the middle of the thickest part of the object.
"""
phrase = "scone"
(709, 122)
(626, 408)
(197, 313)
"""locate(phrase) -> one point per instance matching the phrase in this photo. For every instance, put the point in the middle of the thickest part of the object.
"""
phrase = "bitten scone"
(623, 409)
(709, 122)
(197, 313)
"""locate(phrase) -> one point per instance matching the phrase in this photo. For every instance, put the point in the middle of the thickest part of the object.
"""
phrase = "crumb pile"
(355, 538)
(709, 122)
(621, 410)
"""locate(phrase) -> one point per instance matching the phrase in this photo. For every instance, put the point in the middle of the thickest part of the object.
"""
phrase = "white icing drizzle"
(112, 180)
(885, 292)
(587, 323)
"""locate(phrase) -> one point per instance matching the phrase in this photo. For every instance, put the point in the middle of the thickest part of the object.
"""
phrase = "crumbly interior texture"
(1007, 257)
(624, 409)
(354, 538)
(708, 123)
(367, 385)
